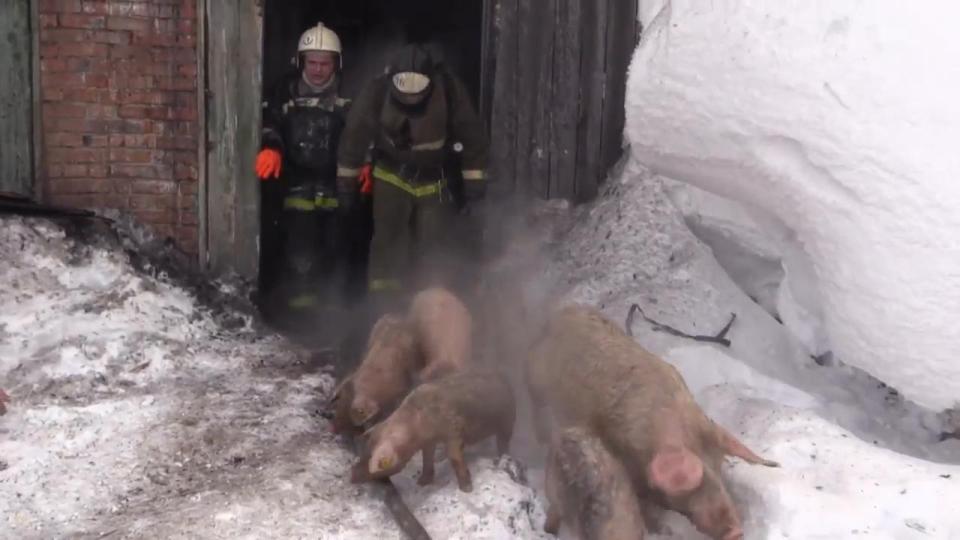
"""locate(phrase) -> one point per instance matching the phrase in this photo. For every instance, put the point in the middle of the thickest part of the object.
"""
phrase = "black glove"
(347, 193)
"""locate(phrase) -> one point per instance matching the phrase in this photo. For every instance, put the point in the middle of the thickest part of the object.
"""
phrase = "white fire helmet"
(410, 82)
(319, 38)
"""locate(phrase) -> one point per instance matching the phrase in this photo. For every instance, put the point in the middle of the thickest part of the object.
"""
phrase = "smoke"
(516, 288)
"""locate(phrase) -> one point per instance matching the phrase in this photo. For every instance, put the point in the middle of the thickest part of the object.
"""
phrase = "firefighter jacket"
(411, 143)
(305, 127)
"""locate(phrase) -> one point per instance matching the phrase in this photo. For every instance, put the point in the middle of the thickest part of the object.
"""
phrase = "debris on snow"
(139, 410)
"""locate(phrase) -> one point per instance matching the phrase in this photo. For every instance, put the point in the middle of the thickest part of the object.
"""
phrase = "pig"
(443, 328)
(340, 402)
(4, 399)
(385, 374)
(458, 409)
(589, 490)
(591, 373)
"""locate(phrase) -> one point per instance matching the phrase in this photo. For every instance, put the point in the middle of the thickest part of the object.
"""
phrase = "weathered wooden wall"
(559, 78)
(16, 97)
(233, 73)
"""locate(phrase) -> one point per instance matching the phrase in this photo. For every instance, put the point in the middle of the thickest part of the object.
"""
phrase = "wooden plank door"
(233, 43)
(558, 87)
(16, 98)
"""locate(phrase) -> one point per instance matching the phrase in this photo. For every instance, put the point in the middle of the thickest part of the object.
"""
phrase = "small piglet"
(459, 409)
(589, 490)
(385, 374)
(443, 329)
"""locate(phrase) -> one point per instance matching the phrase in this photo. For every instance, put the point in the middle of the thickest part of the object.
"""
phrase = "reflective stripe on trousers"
(417, 191)
(381, 285)
(309, 204)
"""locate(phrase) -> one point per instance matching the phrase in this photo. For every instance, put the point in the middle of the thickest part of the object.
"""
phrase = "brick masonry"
(118, 85)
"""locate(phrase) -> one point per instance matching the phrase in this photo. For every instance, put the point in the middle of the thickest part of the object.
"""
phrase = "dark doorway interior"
(368, 30)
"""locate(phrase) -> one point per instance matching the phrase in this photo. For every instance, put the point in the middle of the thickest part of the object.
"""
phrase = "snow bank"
(136, 413)
(840, 435)
(835, 123)
(830, 483)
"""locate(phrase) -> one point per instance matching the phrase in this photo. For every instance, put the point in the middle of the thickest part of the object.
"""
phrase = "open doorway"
(369, 30)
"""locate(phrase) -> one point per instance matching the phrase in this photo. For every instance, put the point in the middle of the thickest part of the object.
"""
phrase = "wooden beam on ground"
(12, 203)
(408, 523)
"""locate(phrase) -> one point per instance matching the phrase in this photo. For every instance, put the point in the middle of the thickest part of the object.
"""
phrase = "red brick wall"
(118, 83)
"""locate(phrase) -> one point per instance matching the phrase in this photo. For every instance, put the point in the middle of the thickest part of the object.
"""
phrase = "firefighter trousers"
(314, 253)
(410, 248)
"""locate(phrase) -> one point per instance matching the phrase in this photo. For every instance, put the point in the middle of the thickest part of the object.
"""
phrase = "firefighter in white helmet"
(302, 120)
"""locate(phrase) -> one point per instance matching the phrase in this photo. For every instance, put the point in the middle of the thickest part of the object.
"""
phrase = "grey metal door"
(16, 98)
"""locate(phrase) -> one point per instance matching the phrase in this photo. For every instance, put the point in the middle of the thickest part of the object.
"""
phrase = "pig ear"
(733, 447)
(675, 471)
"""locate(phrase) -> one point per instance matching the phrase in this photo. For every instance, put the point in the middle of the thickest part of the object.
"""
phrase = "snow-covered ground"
(137, 413)
(790, 163)
(857, 460)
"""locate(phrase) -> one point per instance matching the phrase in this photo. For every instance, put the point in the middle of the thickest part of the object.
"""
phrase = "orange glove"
(366, 179)
(268, 164)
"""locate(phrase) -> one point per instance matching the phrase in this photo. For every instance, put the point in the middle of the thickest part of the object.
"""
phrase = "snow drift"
(834, 124)
(139, 411)
(856, 460)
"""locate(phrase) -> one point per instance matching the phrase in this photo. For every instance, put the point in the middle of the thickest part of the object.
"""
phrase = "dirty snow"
(857, 459)
(140, 411)
(834, 125)
(137, 414)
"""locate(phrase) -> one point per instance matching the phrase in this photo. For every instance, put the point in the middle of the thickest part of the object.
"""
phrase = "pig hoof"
(425, 480)
(466, 487)
(735, 534)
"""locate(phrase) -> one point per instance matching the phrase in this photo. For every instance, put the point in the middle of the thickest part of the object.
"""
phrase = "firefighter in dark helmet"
(408, 121)
(303, 118)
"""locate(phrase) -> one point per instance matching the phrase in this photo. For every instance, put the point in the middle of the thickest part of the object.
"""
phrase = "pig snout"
(723, 532)
(734, 534)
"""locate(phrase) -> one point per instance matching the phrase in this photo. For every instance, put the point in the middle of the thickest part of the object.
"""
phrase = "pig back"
(587, 369)
(390, 359)
(479, 401)
(589, 372)
(443, 328)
